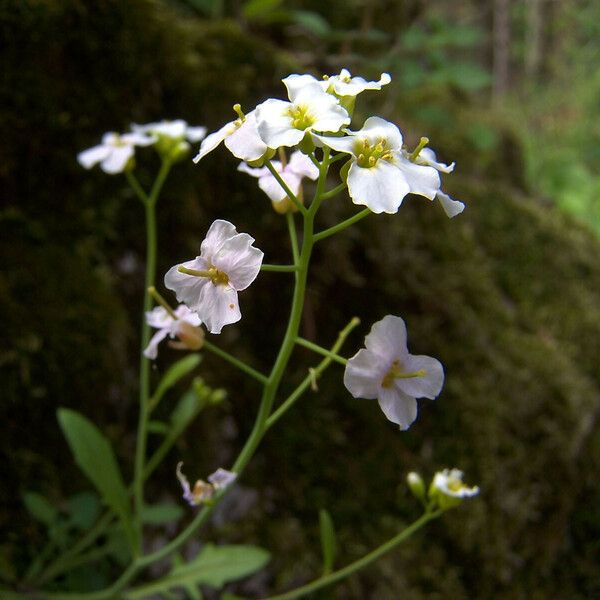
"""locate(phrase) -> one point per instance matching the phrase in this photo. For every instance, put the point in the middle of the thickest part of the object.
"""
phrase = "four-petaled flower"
(115, 151)
(292, 173)
(208, 284)
(282, 123)
(240, 136)
(380, 175)
(203, 492)
(385, 370)
(183, 324)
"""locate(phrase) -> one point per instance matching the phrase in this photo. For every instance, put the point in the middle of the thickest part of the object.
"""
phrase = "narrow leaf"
(214, 566)
(94, 455)
(328, 544)
(175, 372)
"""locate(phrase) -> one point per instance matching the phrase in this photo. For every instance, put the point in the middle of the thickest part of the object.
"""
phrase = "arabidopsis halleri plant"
(342, 85)
(385, 370)
(204, 492)
(240, 136)
(448, 489)
(181, 323)
(292, 173)
(208, 284)
(282, 123)
(115, 153)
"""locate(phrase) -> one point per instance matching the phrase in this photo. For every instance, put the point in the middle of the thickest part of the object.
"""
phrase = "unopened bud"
(416, 485)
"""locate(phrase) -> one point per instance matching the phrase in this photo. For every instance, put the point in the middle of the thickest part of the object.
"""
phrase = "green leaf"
(188, 407)
(159, 514)
(328, 545)
(84, 509)
(257, 9)
(214, 566)
(94, 456)
(39, 508)
(175, 372)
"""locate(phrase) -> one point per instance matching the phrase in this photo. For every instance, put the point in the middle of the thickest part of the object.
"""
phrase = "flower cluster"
(380, 171)
(116, 152)
(203, 491)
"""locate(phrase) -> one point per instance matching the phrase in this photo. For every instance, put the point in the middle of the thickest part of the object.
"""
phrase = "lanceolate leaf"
(178, 370)
(94, 455)
(213, 566)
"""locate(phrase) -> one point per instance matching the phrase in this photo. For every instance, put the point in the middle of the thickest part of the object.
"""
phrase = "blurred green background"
(506, 295)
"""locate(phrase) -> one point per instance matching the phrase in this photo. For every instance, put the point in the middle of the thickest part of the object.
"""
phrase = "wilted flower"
(183, 325)
(208, 284)
(240, 136)
(203, 492)
(282, 123)
(380, 176)
(292, 173)
(385, 370)
(448, 489)
(115, 151)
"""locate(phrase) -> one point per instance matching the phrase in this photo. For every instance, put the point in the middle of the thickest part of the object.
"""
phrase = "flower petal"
(275, 124)
(424, 181)
(344, 144)
(187, 288)
(381, 188)
(427, 157)
(210, 142)
(363, 374)
(376, 128)
(218, 233)
(218, 306)
(301, 165)
(245, 143)
(398, 407)
(240, 260)
(428, 386)
(158, 317)
(117, 160)
(387, 338)
(151, 350)
(294, 83)
(451, 207)
(88, 158)
(254, 172)
(195, 134)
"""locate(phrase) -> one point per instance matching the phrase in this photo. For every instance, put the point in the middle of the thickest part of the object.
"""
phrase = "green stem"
(236, 362)
(144, 384)
(279, 268)
(359, 564)
(322, 351)
(137, 188)
(333, 192)
(285, 187)
(312, 376)
(338, 157)
(343, 225)
(293, 237)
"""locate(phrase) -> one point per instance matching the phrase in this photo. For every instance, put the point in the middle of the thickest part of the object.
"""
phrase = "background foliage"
(506, 295)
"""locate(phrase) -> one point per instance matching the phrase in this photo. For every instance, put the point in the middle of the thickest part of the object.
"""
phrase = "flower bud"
(416, 485)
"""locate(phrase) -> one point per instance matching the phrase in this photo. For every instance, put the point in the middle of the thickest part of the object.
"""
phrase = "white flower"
(203, 492)
(115, 151)
(340, 85)
(282, 123)
(208, 284)
(385, 370)
(184, 326)
(379, 175)
(299, 166)
(177, 130)
(447, 489)
(240, 136)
